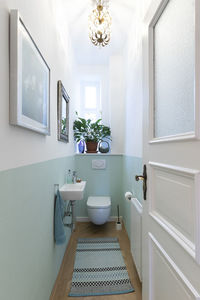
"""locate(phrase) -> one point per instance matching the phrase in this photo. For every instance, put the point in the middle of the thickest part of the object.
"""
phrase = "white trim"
(82, 219)
(186, 244)
(174, 138)
(86, 219)
(178, 273)
(150, 284)
(176, 169)
(151, 21)
(107, 154)
(197, 68)
(17, 29)
(197, 216)
(192, 248)
(99, 154)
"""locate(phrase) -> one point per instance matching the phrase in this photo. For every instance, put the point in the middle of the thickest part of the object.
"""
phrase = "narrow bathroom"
(37, 151)
(99, 156)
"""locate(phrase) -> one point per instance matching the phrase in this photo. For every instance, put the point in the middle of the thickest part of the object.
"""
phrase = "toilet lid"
(98, 202)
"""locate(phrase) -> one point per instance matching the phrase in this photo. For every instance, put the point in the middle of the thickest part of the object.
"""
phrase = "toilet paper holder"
(128, 196)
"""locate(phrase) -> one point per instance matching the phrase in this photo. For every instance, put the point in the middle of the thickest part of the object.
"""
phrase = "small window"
(90, 100)
(90, 97)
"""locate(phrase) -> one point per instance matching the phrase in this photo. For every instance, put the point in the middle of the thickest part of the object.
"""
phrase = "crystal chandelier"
(99, 24)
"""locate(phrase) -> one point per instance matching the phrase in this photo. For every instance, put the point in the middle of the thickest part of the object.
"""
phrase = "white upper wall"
(111, 80)
(133, 110)
(117, 103)
(121, 80)
(133, 78)
(76, 13)
(20, 146)
(93, 73)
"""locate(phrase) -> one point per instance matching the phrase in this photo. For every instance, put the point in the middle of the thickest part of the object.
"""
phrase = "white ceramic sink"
(70, 191)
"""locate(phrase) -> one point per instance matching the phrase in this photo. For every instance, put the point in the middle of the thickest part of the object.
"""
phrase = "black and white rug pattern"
(99, 269)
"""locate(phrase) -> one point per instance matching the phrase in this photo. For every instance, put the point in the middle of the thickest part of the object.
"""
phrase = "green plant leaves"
(88, 131)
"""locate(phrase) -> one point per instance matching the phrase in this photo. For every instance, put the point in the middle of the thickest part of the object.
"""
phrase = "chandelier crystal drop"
(99, 24)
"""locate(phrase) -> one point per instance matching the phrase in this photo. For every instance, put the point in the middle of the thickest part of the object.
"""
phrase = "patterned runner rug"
(99, 269)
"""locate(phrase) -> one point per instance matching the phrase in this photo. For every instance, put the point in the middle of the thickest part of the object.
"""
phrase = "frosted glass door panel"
(174, 71)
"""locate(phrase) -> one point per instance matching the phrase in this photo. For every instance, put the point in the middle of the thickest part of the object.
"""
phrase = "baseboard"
(115, 218)
(58, 278)
(86, 219)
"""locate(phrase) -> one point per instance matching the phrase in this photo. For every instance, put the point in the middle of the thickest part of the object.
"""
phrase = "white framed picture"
(29, 80)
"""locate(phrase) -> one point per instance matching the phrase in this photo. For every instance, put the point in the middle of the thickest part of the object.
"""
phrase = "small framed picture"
(29, 80)
(63, 113)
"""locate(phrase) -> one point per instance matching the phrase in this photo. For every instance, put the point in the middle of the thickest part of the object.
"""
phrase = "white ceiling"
(76, 12)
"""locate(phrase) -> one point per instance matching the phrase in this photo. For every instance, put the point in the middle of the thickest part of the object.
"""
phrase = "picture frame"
(29, 80)
(62, 113)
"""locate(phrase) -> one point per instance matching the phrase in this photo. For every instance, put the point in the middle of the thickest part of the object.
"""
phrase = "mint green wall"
(29, 259)
(131, 166)
(106, 182)
(115, 180)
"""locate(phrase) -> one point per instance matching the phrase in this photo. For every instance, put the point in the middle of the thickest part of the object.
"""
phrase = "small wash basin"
(72, 191)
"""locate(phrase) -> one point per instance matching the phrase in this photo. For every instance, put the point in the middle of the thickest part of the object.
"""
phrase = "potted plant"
(90, 132)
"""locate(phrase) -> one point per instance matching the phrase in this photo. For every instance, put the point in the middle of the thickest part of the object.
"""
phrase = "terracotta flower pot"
(91, 147)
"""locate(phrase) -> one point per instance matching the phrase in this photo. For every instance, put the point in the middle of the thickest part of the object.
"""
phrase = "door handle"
(144, 179)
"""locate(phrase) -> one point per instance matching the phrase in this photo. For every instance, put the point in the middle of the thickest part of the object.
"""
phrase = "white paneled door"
(171, 211)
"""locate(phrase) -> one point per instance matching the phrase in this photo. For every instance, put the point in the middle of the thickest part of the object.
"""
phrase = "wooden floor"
(62, 285)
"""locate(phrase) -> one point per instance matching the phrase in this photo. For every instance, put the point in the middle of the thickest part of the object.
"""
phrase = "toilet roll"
(128, 196)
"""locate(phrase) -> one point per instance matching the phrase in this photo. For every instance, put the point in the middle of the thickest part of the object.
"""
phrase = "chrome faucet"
(74, 177)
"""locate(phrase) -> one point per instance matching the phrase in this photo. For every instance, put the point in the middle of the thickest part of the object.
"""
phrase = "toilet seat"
(98, 202)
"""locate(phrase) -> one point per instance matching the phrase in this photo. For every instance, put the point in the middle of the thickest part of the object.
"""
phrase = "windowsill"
(98, 154)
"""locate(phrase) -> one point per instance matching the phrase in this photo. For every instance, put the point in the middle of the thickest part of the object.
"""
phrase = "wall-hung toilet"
(98, 209)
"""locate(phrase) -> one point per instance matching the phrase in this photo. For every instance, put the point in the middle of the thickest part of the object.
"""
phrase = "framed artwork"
(63, 113)
(29, 80)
